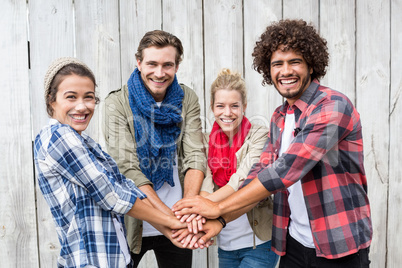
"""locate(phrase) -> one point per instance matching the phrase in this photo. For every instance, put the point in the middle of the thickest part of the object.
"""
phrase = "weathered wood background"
(365, 43)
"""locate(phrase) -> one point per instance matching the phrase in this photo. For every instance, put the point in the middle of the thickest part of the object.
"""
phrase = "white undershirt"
(168, 195)
(122, 239)
(299, 227)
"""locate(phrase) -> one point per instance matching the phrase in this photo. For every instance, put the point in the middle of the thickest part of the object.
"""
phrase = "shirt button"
(255, 222)
(280, 129)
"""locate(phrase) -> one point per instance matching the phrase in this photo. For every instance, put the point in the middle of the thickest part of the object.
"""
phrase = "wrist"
(220, 208)
(222, 221)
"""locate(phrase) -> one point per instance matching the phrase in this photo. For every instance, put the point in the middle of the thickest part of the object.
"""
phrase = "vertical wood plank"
(307, 10)
(394, 234)
(262, 100)
(213, 259)
(136, 18)
(98, 45)
(18, 233)
(373, 81)
(51, 36)
(51, 29)
(148, 260)
(183, 18)
(223, 43)
(337, 26)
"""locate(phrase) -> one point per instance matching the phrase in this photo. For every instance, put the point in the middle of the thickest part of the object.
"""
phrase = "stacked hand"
(199, 214)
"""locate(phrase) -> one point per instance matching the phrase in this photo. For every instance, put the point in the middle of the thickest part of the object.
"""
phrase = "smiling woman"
(75, 102)
(87, 195)
(234, 146)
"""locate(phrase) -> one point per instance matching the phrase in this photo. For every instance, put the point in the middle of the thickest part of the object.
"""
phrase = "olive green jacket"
(118, 129)
(260, 217)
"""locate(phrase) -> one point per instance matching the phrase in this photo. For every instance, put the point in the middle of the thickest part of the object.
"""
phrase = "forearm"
(231, 216)
(192, 182)
(154, 200)
(142, 211)
(221, 193)
(243, 200)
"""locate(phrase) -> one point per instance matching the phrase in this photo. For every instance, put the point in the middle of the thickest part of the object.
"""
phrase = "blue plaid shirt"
(84, 190)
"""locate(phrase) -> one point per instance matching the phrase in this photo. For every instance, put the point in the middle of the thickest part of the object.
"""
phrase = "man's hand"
(197, 204)
(211, 229)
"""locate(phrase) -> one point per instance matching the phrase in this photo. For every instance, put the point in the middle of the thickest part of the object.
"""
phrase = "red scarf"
(222, 157)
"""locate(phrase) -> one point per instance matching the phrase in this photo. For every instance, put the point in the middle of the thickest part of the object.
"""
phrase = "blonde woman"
(234, 145)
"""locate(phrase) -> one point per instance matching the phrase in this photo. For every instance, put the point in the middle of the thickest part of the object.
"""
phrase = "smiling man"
(312, 161)
(153, 130)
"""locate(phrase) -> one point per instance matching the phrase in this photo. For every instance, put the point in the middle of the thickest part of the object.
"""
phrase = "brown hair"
(229, 80)
(69, 69)
(160, 39)
(296, 35)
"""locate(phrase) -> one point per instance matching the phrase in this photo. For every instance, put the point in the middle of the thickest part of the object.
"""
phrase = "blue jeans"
(261, 256)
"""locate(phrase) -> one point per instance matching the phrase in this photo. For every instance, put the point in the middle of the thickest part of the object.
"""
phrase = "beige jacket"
(260, 217)
(118, 129)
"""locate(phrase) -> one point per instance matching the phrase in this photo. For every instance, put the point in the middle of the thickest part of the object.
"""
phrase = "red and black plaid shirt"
(327, 156)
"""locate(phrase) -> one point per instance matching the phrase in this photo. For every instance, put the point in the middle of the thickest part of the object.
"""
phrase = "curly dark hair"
(296, 35)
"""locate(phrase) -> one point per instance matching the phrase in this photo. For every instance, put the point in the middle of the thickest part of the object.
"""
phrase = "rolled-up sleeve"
(68, 155)
(327, 125)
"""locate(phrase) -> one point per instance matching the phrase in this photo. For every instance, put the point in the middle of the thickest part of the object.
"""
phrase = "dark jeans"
(167, 254)
(298, 255)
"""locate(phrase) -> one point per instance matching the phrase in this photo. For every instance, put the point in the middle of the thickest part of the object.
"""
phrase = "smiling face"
(228, 110)
(290, 73)
(75, 102)
(158, 69)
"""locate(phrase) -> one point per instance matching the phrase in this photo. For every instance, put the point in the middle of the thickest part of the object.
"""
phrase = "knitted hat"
(55, 67)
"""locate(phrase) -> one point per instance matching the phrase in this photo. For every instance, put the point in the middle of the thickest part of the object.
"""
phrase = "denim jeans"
(261, 256)
(167, 255)
(299, 256)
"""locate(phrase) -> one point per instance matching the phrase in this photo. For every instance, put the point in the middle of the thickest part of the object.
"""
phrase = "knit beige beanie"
(55, 67)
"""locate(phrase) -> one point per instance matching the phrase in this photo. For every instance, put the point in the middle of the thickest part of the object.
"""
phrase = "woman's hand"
(195, 222)
(179, 235)
(174, 223)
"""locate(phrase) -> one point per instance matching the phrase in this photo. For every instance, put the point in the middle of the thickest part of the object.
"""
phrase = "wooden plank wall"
(364, 38)
(18, 236)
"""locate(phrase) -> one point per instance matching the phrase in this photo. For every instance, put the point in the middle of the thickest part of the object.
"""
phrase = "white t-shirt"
(299, 227)
(168, 195)
(237, 234)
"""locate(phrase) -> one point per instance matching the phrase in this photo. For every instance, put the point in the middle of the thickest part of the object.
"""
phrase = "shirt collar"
(307, 97)
(305, 100)
(83, 135)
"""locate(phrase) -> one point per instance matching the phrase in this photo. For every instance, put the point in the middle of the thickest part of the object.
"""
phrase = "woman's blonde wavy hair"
(229, 80)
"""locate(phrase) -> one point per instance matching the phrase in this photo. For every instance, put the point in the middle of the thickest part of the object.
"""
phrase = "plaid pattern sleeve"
(327, 156)
(85, 190)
